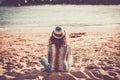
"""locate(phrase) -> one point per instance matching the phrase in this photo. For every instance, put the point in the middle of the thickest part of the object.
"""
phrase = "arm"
(48, 54)
(68, 53)
(69, 58)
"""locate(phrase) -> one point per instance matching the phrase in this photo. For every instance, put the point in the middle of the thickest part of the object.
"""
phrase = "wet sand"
(96, 55)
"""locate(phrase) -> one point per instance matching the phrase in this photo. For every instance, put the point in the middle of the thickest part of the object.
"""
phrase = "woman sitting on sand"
(59, 53)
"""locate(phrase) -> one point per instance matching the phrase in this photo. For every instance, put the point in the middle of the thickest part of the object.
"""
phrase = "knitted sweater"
(58, 57)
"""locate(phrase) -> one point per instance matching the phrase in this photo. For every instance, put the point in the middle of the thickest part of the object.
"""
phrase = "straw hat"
(58, 33)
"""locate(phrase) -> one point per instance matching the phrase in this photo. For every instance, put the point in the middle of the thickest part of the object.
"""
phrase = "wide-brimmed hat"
(58, 33)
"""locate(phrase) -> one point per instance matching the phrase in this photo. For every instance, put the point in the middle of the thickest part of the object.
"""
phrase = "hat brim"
(62, 32)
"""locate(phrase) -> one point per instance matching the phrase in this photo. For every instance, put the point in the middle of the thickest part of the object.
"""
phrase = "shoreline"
(68, 29)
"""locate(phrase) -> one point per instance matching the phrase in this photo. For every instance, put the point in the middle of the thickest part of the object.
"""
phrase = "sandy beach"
(96, 55)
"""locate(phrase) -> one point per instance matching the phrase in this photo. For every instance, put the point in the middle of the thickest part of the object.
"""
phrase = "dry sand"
(96, 55)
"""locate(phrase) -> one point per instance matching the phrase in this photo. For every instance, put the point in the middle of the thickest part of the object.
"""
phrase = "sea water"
(48, 16)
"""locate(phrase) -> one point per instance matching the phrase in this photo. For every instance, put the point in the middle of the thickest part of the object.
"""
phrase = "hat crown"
(58, 29)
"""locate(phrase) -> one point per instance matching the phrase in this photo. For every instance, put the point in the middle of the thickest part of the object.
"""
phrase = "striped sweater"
(58, 57)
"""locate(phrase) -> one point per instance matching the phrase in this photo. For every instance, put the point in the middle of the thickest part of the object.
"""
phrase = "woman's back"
(58, 51)
(57, 56)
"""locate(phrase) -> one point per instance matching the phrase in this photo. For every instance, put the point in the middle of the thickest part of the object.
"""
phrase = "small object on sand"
(75, 35)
